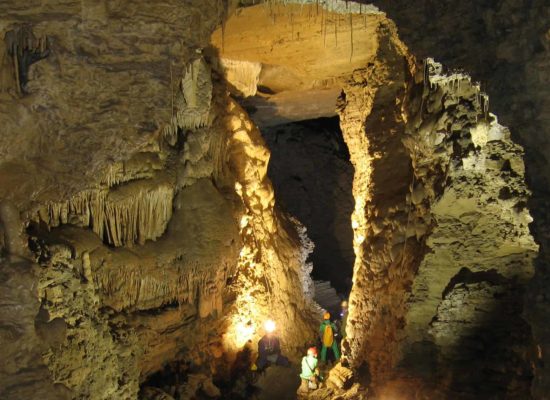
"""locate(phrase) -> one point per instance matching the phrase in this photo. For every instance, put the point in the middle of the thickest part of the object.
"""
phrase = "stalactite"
(193, 101)
(138, 212)
(138, 217)
(134, 287)
(114, 175)
(16, 69)
(324, 27)
(171, 91)
(291, 25)
(19, 42)
(244, 75)
(336, 30)
(351, 35)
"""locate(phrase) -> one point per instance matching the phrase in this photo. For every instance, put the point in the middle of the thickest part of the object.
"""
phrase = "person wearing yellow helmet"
(327, 332)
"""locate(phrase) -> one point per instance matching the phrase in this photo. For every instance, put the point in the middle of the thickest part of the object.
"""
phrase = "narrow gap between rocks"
(312, 177)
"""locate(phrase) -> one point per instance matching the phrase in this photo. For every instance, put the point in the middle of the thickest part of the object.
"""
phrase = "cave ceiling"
(288, 62)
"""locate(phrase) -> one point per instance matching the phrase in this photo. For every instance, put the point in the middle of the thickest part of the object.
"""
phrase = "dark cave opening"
(312, 175)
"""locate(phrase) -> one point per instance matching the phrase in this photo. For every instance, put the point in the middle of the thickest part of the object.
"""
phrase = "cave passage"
(312, 176)
(177, 174)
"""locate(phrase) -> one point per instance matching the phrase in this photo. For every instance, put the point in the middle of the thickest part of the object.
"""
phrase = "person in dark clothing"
(269, 350)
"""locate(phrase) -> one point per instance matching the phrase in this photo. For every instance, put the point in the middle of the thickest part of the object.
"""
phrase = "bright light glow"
(243, 332)
(244, 221)
(243, 326)
(354, 224)
(269, 326)
(239, 188)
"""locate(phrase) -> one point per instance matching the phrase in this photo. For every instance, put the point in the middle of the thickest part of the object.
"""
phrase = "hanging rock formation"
(139, 230)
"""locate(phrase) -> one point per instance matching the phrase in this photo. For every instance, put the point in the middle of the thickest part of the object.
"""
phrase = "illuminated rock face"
(506, 46)
(139, 226)
(419, 145)
(270, 267)
(469, 292)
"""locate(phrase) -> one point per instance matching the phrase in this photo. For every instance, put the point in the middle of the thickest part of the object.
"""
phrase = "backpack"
(328, 335)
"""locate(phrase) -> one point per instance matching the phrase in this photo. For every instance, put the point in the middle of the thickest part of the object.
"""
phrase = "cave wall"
(504, 45)
(103, 51)
(464, 323)
(153, 229)
(451, 219)
(373, 126)
(131, 205)
(96, 169)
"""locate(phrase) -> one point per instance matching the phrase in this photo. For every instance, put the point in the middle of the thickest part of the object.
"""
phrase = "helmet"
(312, 351)
(326, 315)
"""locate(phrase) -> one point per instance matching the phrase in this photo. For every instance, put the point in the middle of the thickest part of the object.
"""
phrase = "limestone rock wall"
(467, 299)
(371, 118)
(23, 373)
(440, 204)
(103, 92)
(119, 215)
(271, 266)
(504, 45)
(120, 314)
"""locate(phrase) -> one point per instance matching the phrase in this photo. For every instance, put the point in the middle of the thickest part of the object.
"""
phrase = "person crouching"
(269, 349)
(310, 372)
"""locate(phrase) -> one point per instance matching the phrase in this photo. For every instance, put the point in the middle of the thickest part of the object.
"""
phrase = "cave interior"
(178, 175)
